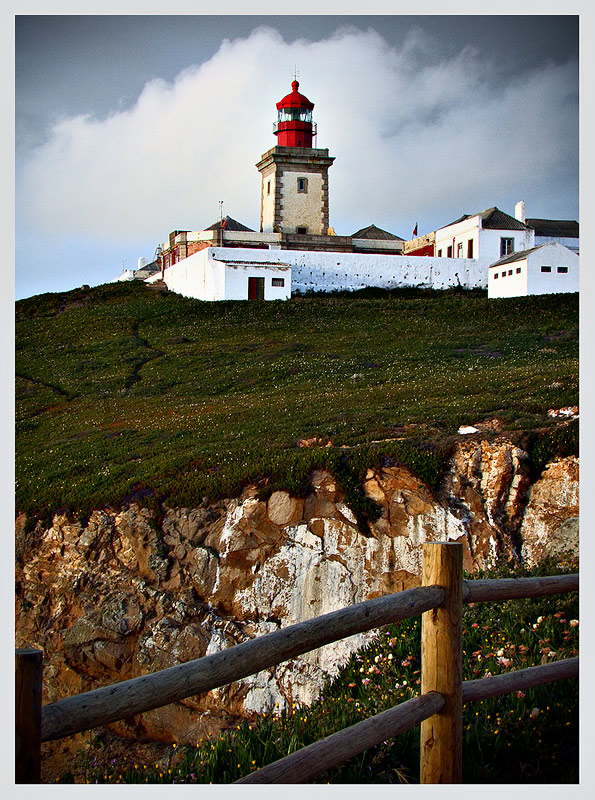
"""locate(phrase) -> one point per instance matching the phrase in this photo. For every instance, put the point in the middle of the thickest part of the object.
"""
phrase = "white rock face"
(550, 525)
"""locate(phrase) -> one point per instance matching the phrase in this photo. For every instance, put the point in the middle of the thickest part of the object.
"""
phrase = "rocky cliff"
(130, 592)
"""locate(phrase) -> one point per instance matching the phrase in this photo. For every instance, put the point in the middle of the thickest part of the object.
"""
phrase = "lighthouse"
(294, 175)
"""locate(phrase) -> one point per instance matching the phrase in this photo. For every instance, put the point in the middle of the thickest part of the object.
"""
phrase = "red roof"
(295, 99)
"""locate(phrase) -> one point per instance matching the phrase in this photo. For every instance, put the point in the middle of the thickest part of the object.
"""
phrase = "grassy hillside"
(126, 391)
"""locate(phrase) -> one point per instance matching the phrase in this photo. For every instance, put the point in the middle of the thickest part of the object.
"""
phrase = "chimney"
(519, 211)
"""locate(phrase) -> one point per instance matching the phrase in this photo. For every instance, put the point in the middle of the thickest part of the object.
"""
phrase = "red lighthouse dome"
(294, 126)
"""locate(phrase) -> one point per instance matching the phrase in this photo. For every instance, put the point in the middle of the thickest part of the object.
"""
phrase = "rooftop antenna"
(296, 74)
(221, 222)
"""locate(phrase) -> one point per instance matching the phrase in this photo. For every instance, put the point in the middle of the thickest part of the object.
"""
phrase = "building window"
(302, 185)
(439, 253)
(278, 282)
(301, 230)
(268, 187)
(495, 275)
(546, 269)
(562, 269)
(518, 270)
(510, 272)
(460, 250)
(506, 246)
(470, 248)
(449, 251)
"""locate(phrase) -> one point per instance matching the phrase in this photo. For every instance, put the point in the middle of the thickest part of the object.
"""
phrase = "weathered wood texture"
(519, 679)
(320, 756)
(441, 736)
(134, 696)
(515, 588)
(28, 676)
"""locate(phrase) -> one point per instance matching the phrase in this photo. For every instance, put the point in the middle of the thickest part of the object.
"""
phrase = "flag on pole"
(415, 230)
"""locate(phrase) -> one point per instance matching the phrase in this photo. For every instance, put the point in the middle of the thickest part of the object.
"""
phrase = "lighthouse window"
(302, 185)
(268, 187)
(293, 114)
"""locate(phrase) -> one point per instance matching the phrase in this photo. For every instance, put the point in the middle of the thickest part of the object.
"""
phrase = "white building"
(218, 273)
(490, 234)
(547, 269)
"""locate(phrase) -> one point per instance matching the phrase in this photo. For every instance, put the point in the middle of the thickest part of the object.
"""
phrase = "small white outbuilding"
(223, 274)
(547, 269)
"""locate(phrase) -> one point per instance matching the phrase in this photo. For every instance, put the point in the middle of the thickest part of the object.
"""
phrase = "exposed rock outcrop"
(127, 593)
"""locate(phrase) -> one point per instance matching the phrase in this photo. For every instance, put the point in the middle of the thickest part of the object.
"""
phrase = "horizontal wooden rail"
(320, 756)
(501, 589)
(336, 749)
(519, 679)
(137, 695)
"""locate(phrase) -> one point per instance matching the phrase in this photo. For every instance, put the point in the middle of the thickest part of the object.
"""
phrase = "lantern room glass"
(294, 114)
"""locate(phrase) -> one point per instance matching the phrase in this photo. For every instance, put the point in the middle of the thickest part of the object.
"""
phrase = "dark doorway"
(255, 288)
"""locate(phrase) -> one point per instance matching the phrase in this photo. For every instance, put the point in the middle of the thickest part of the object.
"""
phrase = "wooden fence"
(438, 710)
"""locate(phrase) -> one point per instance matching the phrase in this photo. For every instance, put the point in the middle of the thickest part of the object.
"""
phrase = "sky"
(130, 126)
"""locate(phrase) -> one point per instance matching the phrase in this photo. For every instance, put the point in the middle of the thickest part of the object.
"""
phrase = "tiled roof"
(522, 254)
(231, 225)
(493, 218)
(372, 232)
(564, 228)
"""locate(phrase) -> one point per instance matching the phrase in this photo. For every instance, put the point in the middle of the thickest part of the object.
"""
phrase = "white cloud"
(412, 139)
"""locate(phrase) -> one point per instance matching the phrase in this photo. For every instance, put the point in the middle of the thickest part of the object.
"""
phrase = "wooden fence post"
(28, 675)
(441, 742)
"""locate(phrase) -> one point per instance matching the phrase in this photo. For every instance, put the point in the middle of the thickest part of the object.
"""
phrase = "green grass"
(121, 389)
(526, 737)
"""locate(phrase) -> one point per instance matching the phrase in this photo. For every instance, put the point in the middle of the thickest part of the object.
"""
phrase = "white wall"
(553, 255)
(237, 275)
(196, 277)
(461, 232)
(323, 271)
(505, 285)
(205, 276)
(572, 243)
(489, 244)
